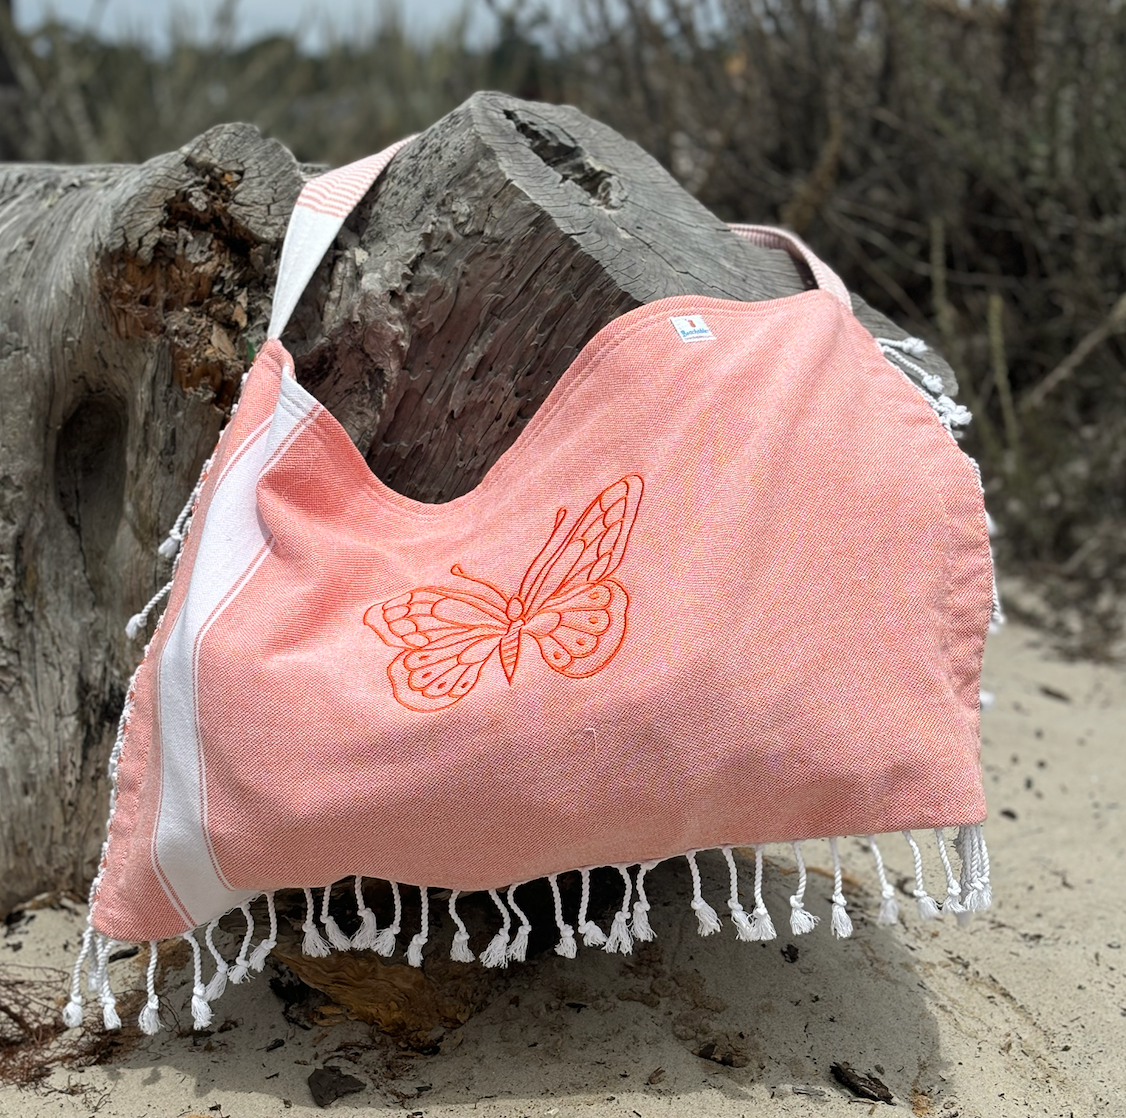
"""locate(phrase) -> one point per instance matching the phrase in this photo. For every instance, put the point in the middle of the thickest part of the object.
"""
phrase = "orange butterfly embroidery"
(567, 603)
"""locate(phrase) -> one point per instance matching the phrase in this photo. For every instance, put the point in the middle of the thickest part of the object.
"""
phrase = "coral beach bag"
(728, 588)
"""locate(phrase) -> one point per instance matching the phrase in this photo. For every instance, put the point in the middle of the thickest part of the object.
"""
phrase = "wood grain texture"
(495, 247)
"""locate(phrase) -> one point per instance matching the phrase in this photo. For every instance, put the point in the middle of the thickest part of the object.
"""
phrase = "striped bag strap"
(322, 207)
(766, 236)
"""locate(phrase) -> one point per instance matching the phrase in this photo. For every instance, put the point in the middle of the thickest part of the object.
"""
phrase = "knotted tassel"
(459, 952)
(841, 923)
(518, 948)
(72, 1012)
(332, 929)
(218, 984)
(619, 938)
(496, 954)
(262, 951)
(739, 916)
(566, 945)
(94, 972)
(801, 921)
(367, 935)
(110, 1017)
(928, 908)
(953, 902)
(593, 935)
(170, 548)
(641, 928)
(201, 1010)
(149, 1019)
(313, 942)
(707, 922)
(241, 967)
(385, 942)
(889, 906)
(138, 621)
(414, 948)
(762, 927)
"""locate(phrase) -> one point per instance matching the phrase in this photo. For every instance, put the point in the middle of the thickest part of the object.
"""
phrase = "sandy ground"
(1023, 1013)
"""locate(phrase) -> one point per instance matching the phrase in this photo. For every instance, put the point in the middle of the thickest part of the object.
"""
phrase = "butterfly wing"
(576, 611)
(446, 637)
(579, 630)
(591, 551)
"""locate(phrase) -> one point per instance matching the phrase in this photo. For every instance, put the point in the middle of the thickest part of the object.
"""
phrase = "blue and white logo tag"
(692, 329)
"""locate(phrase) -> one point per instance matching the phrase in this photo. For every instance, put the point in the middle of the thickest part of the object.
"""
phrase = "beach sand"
(1021, 1013)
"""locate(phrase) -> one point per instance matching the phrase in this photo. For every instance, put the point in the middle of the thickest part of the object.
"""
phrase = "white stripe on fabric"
(322, 206)
(306, 241)
(231, 546)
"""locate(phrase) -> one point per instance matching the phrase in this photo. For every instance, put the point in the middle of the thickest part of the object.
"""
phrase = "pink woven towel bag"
(729, 587)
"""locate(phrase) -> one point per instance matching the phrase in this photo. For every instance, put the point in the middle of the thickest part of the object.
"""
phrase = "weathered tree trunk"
(130, 297)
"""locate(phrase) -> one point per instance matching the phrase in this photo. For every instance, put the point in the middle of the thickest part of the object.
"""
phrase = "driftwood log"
(131, 298)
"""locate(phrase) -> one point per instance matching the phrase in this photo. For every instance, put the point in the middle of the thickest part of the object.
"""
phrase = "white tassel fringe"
(739, 917)
(566, 945)
(619, 938)
(459, 952)
(313, 943)
(707, 922)
(496, 954)
(593, 935)
(801, 921)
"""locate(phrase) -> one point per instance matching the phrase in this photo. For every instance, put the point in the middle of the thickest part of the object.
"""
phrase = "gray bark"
(458, 293)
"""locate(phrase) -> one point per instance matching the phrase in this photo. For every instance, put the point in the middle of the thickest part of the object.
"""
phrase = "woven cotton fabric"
(722, 590)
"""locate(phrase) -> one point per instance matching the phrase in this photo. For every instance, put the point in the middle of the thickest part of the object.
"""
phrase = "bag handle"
(766, 236)
(322, 207)
(326, 201)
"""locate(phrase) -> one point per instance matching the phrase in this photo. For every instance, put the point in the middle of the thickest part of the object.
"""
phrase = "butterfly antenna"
(459, 572)
(535, 576)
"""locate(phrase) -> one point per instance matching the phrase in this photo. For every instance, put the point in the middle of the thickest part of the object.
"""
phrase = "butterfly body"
(567, 603)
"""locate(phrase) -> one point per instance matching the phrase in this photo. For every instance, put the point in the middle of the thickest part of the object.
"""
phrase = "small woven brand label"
(692, 329)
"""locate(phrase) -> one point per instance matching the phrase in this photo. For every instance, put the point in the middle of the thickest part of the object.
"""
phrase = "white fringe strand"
(928, 908)
(739, 915)
(619, 938)
(110, 1018)
(218, 984)
(149, 1020)
(640, 928)
(566, 945)
(262, 951)
(889, 906)
(518, 948)
(332, 929)
(414, 948)
(953, 902)
(138, 621)
(707, 922)
(72, 1013)
(170, 548)
(201, 1010)
(367, 935)
(841, 923)
(496, 954)
(385, 941)
(313, 943)
(801, 921)
(241, 966)
(593, 935)
(459, 950)
(762, 926)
